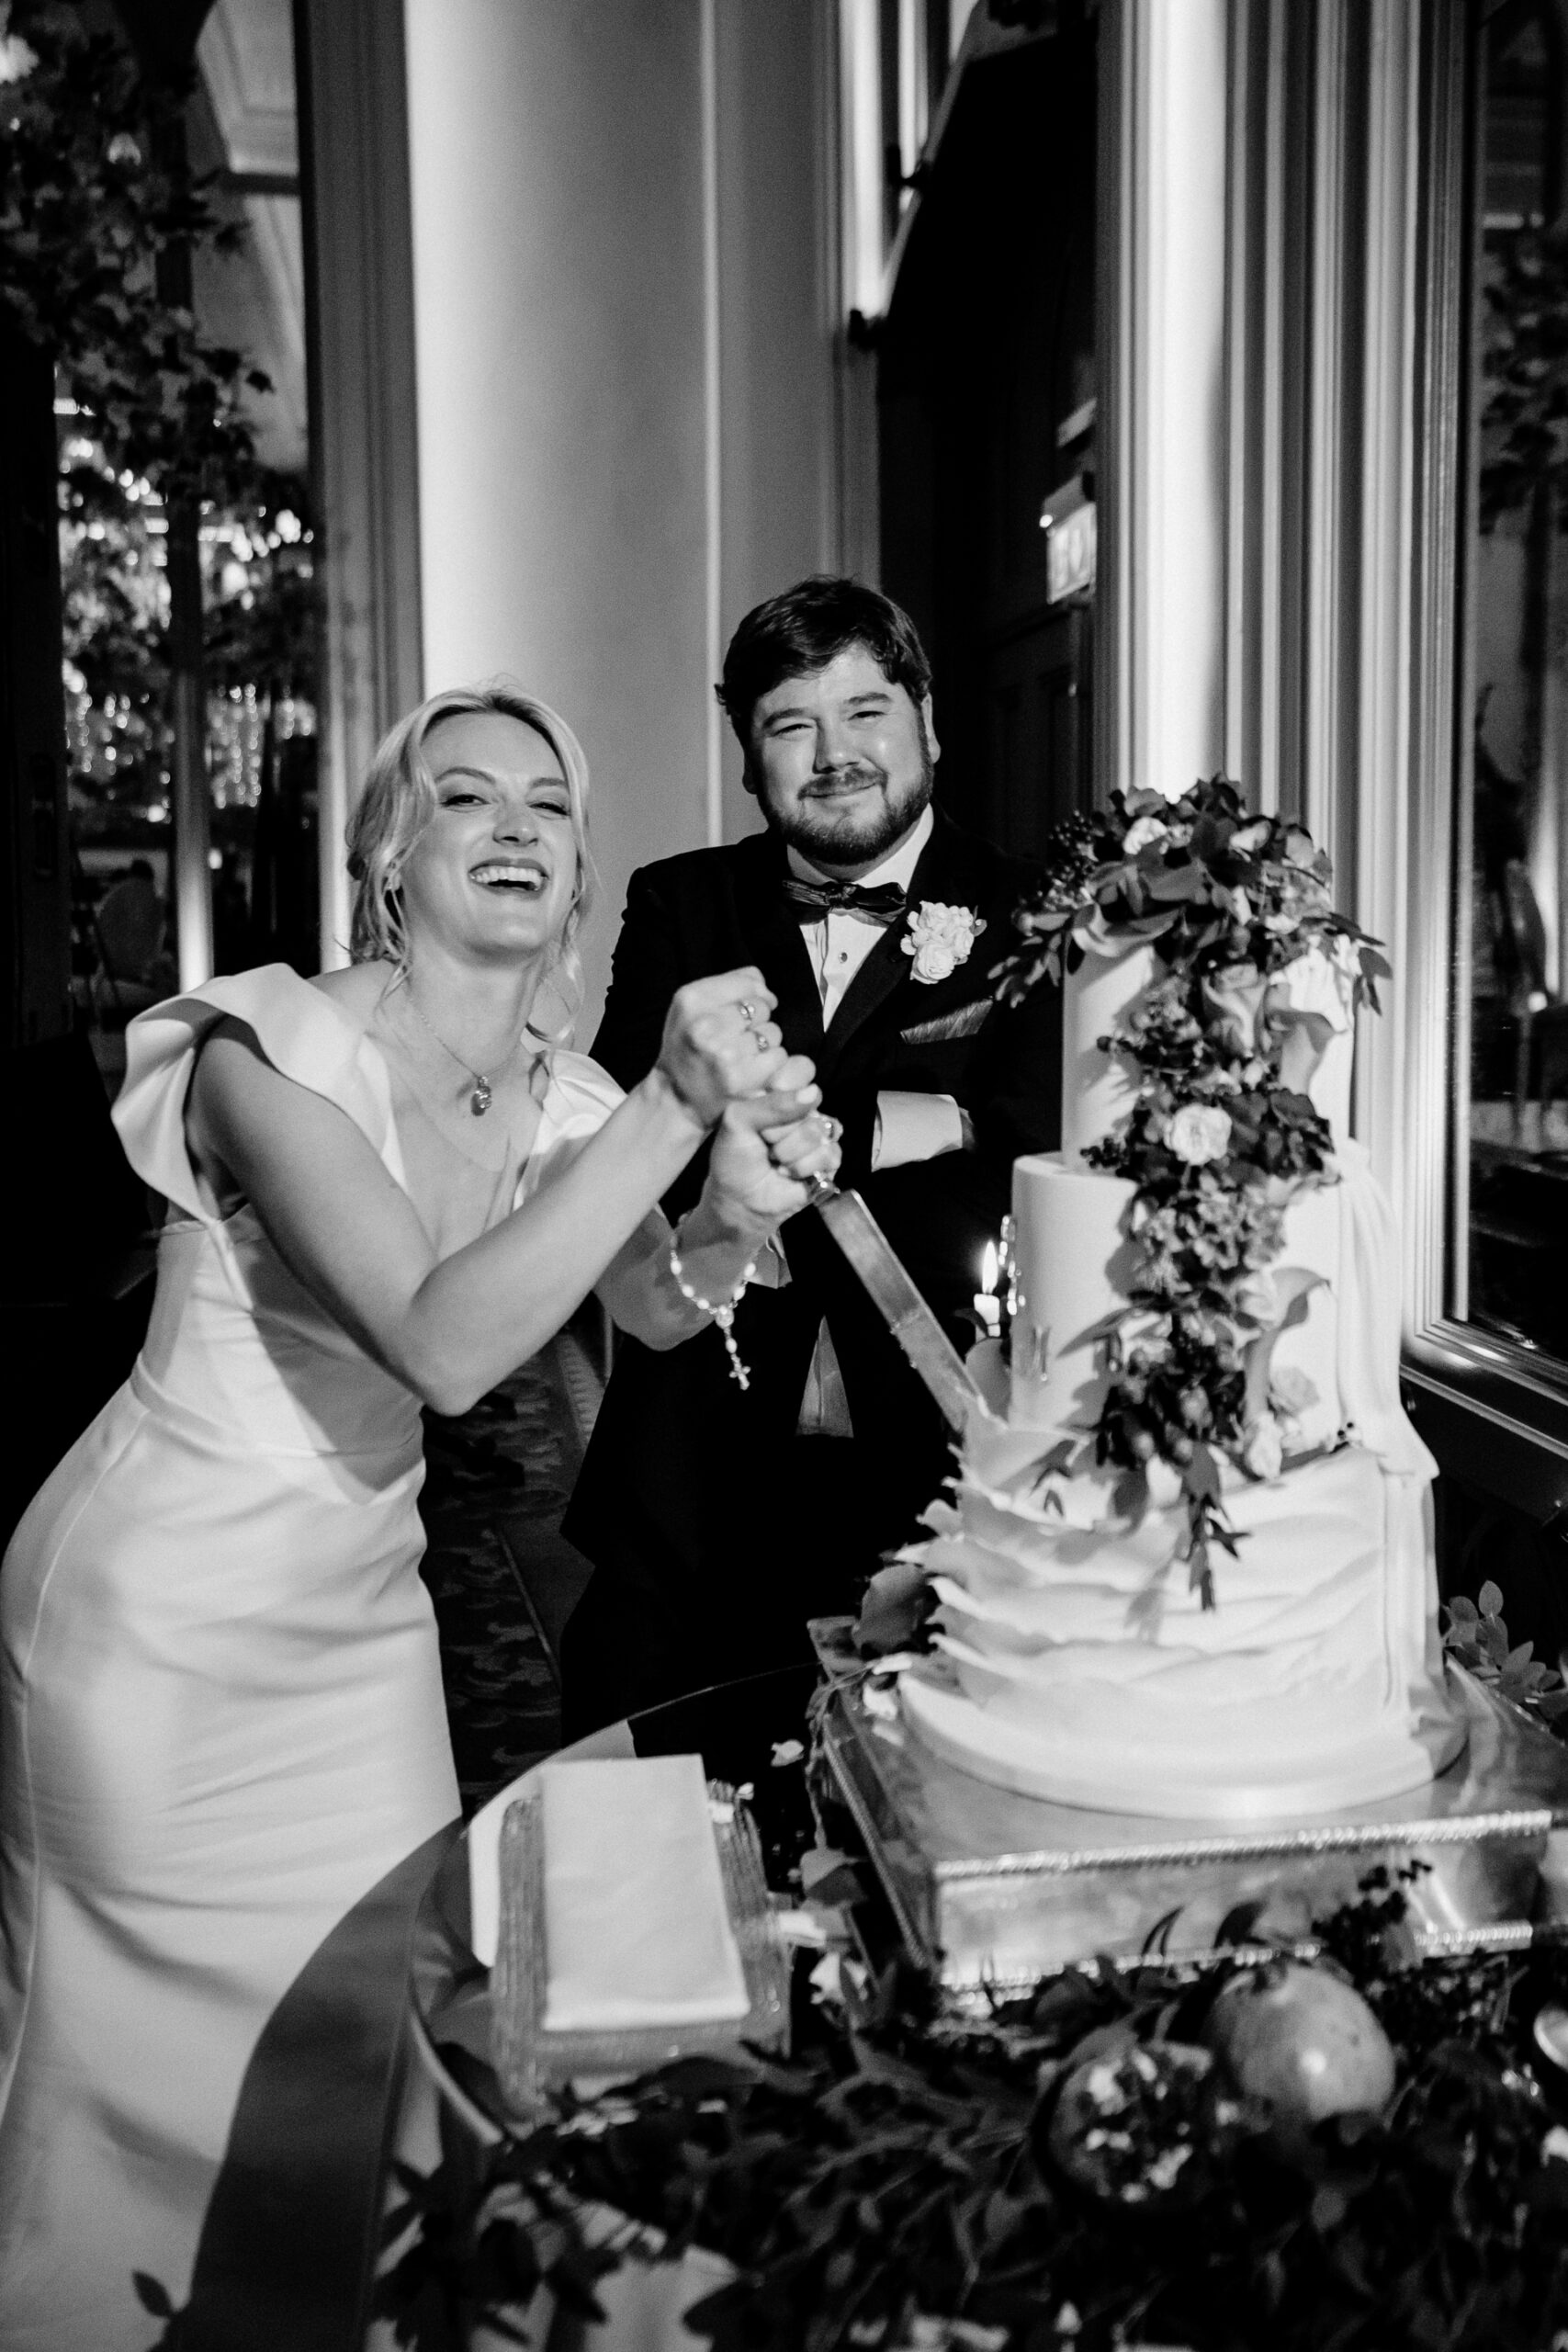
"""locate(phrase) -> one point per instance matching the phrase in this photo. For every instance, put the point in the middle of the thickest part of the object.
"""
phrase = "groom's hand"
(720, 1043)
(792, 1093)
(766, 1153)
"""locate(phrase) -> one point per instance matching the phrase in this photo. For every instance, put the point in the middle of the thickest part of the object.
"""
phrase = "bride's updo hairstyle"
(399, 801)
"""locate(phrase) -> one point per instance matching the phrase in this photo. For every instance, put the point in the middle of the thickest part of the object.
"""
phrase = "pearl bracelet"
(723, 1313)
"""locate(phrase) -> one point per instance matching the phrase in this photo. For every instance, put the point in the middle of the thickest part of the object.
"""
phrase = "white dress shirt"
(839, 942)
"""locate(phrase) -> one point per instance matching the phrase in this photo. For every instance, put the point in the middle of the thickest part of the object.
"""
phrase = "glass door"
(1488, 1366)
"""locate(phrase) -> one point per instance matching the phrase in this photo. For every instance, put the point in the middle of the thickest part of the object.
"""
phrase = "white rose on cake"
(1238, 995)
(1291, 1392)
(940, 938)
(1198, 1133)
(1248, 840)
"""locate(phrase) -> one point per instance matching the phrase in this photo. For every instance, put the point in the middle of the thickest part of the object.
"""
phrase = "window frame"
(1492, 1412)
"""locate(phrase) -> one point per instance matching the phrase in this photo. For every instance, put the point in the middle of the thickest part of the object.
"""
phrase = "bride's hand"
(763, 1167)
(720, 1044)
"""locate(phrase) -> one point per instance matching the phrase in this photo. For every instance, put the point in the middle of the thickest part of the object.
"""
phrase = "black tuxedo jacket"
(689, 1491)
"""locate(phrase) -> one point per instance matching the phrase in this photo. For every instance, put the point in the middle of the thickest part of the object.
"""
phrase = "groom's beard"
(863, 829)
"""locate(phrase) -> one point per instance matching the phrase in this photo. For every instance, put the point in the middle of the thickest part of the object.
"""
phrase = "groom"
(719, 1519)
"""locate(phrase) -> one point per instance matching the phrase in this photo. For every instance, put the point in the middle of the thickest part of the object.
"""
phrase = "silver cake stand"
(993, 1889)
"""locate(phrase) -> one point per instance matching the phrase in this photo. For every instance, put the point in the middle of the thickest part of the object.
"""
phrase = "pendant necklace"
(483, 1095)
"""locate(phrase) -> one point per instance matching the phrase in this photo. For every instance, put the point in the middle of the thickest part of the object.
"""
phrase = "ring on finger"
(747, 1014)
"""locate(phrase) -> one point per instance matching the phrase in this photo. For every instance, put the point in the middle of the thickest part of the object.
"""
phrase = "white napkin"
(637, 1931)
(483, 1838)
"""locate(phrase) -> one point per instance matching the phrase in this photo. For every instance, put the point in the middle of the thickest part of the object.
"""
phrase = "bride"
(222, 1711)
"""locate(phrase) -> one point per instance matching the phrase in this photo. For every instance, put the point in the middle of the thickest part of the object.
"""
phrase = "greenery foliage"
(258, 597)
(1476, 1634)
(97, 201)
(115, 611)
(907, 2181)
(1219, 1141)
(1523, 362)
(99, 214)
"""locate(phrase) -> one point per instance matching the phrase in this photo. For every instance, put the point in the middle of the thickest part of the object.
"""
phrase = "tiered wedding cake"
(1234, 1616)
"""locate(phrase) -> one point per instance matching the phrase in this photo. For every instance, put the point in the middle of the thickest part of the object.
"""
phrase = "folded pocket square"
(962, 1023)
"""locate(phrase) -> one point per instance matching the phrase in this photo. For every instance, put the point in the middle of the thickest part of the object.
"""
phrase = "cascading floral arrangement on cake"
(1187, 1566)
(1222, 1131)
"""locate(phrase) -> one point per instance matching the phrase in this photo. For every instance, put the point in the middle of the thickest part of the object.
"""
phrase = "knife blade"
(906, 1313)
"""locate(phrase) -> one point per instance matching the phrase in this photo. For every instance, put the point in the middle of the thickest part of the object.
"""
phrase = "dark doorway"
(985, 385)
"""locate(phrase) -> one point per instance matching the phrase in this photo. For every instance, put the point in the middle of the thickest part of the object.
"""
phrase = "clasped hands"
(723, 1057)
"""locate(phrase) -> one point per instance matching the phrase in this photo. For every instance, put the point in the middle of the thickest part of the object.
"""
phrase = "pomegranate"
(1133, 2121)
(1305, 2042)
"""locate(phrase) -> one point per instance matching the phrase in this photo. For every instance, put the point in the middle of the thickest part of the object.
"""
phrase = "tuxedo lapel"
(769, 927)
(943, 873)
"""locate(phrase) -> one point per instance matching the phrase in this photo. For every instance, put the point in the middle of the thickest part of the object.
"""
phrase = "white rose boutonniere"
(940, 938)
(1198, 1133)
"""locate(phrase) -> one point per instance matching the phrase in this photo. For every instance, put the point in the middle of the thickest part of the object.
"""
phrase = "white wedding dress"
(221, 1719)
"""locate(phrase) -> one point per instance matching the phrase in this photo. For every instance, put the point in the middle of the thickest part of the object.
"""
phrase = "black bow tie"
(884, 902)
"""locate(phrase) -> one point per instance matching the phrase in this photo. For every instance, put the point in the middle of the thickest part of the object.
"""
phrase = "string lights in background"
(257, 569)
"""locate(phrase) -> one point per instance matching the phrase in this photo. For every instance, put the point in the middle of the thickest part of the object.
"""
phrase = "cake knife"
(905, 1312)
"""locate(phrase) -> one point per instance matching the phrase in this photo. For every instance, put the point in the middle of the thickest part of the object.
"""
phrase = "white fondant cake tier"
(1075, 1261)
(1099, 1089)
(1076, 1665)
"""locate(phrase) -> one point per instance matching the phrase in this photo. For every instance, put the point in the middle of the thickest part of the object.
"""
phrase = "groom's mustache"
(834, 780)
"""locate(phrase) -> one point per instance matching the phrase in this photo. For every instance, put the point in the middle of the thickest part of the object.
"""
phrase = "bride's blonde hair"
(399, 801)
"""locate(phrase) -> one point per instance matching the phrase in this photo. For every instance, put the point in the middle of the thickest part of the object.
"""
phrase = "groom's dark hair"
(797, 633)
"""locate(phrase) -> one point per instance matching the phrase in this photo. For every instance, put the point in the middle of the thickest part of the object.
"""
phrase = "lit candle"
(987, 1306)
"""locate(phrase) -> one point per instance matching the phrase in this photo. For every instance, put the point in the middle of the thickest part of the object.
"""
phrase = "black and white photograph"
(783, 1190)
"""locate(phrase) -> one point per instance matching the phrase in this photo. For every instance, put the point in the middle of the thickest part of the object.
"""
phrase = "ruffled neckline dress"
(222, 1727)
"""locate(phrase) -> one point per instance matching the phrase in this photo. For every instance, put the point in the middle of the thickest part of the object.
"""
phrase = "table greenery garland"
(1073, 2171)
(1217, 1143)
(1085, 2167)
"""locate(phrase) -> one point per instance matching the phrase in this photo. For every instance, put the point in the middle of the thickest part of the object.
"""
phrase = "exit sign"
(1067, 518)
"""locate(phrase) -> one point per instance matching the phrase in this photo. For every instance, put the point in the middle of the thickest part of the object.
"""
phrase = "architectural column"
(625, 343)
(354, 154)
(1163, 276)
(775, 315)
(190, 794)
(1344, 275)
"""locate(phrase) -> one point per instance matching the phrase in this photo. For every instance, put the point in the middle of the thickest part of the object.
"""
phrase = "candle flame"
(989, 1268)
